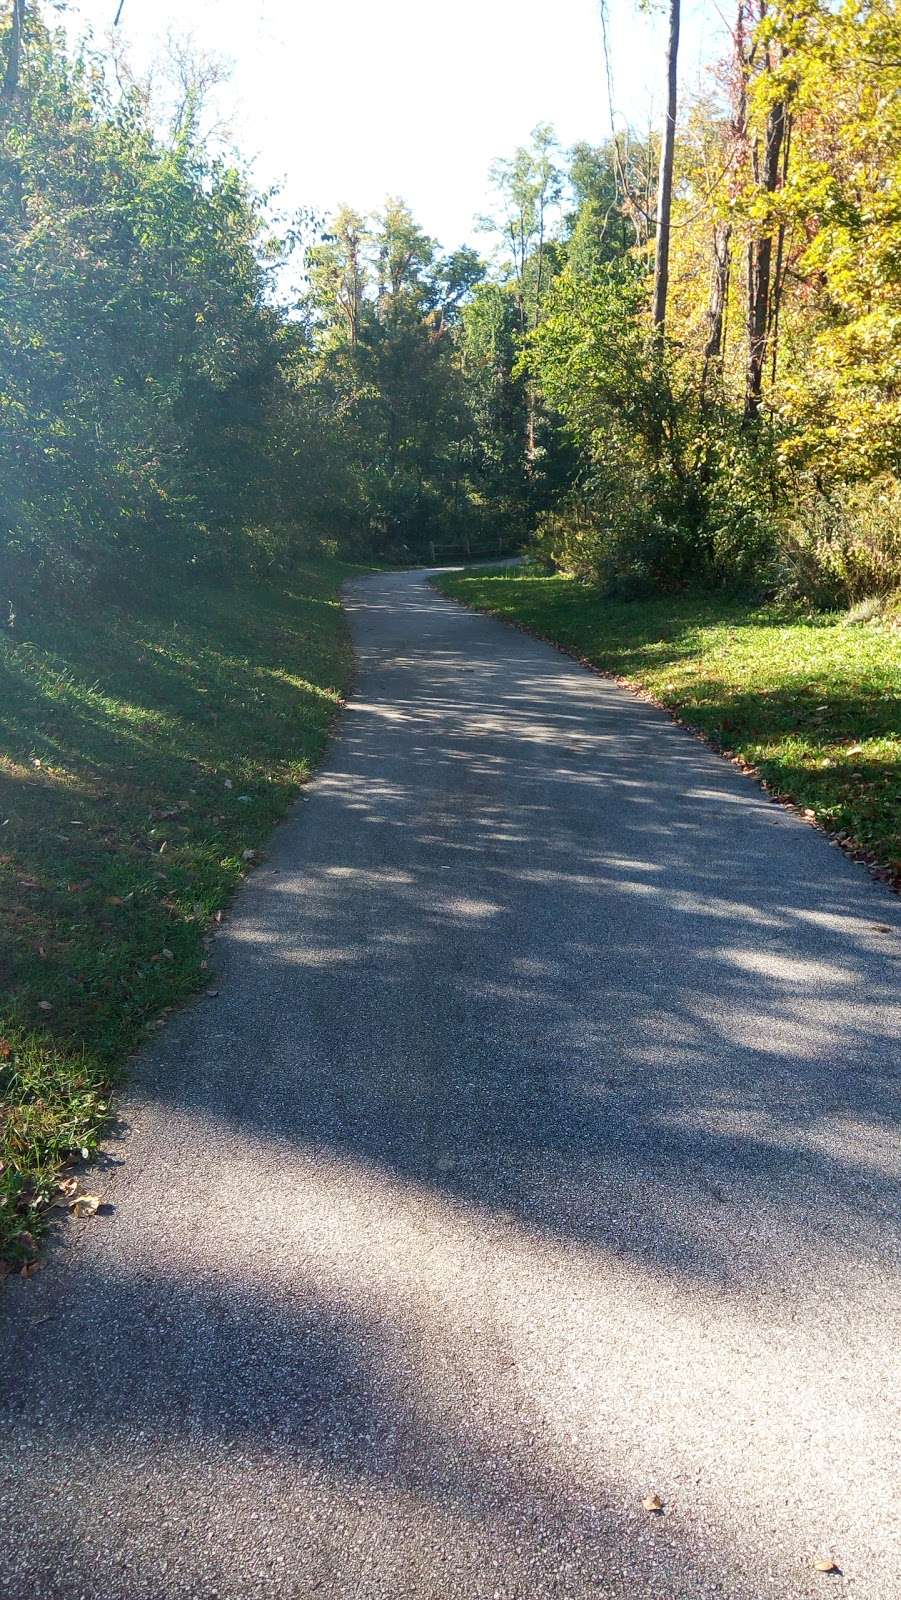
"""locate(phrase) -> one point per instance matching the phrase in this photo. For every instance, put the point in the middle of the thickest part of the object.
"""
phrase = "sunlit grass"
(813, 703)
(140, 757)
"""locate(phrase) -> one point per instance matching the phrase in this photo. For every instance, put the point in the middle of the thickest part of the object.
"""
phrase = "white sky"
(355, 99)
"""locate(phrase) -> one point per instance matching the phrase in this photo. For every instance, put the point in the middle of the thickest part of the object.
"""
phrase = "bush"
(844, 545)
(675, 490)
(640, 524)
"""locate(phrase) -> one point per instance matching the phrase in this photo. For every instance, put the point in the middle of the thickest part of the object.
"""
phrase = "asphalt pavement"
(537, 1155)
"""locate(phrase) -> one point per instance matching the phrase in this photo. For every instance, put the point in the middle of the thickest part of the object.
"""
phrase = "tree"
(529, 186)
(599, 228)
(770, 166)
(138, 345)
(337, 271)
(14, 49)
(665, 183)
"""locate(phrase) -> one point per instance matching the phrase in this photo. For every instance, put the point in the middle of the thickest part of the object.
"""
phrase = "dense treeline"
(160, 407)
(737, 423)
(139, 351)
(754, 434)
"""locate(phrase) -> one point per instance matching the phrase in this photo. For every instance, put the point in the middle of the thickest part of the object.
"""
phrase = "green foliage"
(840, 394)
(401, 348)
(158, 408)
(488, 347)
(598, 230)
(811, 702)
(138, 763)
(665, 496)
(137, 349)
(529, 187)
(845, 544)
(681, 478)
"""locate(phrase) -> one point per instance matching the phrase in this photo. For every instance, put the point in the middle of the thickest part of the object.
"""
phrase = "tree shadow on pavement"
(545, 1103)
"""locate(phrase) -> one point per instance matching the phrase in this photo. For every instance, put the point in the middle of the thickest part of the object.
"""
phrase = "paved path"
(535, 1156)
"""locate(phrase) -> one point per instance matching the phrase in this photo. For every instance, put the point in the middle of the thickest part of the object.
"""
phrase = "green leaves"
(138, 345)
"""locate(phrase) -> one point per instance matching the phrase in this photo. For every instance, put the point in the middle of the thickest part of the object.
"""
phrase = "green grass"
(812, 703)
(140, 758)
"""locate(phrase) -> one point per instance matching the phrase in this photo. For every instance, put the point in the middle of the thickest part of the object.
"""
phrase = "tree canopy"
(164, 400)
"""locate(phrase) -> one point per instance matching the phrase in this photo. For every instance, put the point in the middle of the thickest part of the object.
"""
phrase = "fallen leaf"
(67, 1188)
(652, 1502)
(826, 1564)
(6, 1049)
(167, 955)
(30, 1268)
(248, 855)
(85, 1205)
(212, 993)
(44, 1005)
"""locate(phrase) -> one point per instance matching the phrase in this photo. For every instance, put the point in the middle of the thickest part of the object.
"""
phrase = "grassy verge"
(812, 704)
(143, 760)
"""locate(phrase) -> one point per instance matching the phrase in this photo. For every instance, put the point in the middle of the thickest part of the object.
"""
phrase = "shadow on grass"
(141, 756)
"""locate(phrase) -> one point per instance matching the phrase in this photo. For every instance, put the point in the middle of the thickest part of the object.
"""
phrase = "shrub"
(843, 545)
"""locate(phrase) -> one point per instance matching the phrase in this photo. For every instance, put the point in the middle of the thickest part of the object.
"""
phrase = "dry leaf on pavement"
(67, 1188)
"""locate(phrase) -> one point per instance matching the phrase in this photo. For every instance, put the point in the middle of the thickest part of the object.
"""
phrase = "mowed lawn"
(812, 702)
(143, 760)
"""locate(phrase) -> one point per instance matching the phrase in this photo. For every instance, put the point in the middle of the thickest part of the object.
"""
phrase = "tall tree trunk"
(665, 185)
(719, 290)
(14, 53)
(760, 258)
(779, 277)
(721, 266)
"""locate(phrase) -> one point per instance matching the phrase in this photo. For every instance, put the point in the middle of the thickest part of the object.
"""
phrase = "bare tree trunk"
(665, 185)
(719, 291)
(14, 55)
(779, 278)
(760, 258)
(719, 288)
(722, 234)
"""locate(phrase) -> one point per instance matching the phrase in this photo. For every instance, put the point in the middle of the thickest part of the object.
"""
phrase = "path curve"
(535, 1156)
